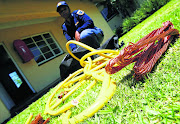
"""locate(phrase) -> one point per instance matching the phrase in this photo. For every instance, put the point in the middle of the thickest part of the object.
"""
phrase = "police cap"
(60, 4)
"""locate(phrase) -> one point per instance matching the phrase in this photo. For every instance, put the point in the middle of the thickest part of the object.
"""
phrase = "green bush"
(146, 9)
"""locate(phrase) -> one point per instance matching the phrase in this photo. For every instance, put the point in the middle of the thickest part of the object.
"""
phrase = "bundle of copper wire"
(145, 53)
(39, 120)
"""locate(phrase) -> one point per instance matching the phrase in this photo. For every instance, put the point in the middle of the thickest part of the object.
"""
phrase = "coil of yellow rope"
(77, 79)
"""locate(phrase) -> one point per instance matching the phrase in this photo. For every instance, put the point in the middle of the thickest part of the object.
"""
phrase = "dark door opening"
(12, 81)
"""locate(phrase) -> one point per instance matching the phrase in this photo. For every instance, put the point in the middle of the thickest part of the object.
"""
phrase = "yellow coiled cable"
(91, 69)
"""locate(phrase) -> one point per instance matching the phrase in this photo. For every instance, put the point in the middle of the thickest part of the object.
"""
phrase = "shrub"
(146, 9)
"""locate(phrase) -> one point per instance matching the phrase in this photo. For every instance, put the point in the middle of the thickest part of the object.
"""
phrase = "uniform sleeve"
(68, 37)
(73, 46)
(87, 21)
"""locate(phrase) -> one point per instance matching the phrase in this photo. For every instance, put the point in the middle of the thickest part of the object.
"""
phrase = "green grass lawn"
(157, 100)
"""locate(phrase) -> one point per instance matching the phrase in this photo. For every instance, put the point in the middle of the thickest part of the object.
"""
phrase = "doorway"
(12, 81)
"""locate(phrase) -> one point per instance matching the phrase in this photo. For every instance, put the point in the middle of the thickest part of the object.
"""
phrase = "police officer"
(79, 26)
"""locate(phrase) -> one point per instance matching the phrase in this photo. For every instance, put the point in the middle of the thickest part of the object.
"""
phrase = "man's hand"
(77, 36)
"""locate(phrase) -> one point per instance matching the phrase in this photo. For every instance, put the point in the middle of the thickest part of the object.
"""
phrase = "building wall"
(4, 113)
(23, 19)
(115, 22)
(38, 76)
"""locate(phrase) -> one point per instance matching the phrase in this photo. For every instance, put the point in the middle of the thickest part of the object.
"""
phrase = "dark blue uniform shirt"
(79, 22)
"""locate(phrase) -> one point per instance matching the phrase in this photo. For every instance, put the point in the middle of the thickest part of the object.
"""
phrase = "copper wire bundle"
(39, 120)
(145, 52)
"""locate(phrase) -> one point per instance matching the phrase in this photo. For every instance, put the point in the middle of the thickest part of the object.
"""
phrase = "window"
(109, 12)
(43, 46)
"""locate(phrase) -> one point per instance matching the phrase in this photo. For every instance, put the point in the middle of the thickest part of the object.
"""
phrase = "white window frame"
(48, 45)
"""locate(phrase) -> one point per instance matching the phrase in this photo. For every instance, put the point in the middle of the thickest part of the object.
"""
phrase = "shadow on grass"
(129, 80)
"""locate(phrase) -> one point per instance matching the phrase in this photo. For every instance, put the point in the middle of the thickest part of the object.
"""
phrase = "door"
(12, 80)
